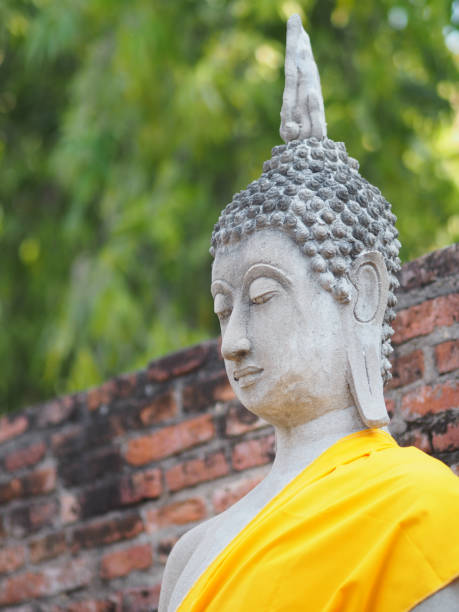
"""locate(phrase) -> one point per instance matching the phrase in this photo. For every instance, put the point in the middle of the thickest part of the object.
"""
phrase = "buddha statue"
(304, 281)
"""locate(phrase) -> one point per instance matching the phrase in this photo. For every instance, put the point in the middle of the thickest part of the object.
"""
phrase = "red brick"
(70, 508)
(251, 453)
(11, 559)
(178, 513)
(21, 587)
(121, 423)
(126, 384)
(35, 483)
(192, 472)
(41, 513)
(33, 517)
(390, 406)
(422, 319)
(25, 457)
(11, 427)
(197, 397)
(39, 481)
(50, 580)
(416, 438)
(69, 575)
(429, 268)
(141, 599)
(57, 411)
(47, 547)
(169, 440)
(178, 364)
(228, 495)
(79, 439)
(141, 485)
(10, 490)
(240, 420)
(123, 562)
(406, 369)
(67, 441)
(111, 604)
(447, 356)
(113, 494)
(162, 408)
(107, 531)
(428, 399)
(223, 391)
(448, 441)
(101, 395)
(77, 469)
(100, 499)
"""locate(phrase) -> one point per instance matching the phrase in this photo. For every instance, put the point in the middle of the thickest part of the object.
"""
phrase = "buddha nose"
(235, 343)
(235, 350)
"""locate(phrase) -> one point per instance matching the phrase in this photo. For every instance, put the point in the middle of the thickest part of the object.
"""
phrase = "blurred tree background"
(126, 126)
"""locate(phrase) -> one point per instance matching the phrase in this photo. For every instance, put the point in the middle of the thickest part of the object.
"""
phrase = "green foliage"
(126, 126)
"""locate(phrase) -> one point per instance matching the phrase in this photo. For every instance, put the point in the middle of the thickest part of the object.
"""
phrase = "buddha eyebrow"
(268, 270)
(220, 286)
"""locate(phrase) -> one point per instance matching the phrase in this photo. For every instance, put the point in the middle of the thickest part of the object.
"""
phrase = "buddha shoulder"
(425, 475)
(179, 558)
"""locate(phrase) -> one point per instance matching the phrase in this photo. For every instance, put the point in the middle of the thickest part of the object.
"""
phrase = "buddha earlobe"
(362, 325)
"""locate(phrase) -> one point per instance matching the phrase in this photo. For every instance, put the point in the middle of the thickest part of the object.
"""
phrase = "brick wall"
(96, 487)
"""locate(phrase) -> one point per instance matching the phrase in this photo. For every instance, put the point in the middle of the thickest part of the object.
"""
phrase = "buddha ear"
(362, 326)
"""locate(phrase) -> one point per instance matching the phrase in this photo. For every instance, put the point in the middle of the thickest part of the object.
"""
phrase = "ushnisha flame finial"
(302, 114)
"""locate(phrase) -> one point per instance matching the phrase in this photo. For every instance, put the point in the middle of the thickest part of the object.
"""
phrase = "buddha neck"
(298, 446)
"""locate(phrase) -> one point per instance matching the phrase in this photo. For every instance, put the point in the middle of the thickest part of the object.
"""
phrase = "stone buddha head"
(304, 275)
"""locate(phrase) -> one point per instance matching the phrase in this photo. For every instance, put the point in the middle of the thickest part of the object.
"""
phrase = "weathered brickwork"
(96, 487)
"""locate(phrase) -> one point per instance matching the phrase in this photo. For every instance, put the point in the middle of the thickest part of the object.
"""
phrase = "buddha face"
(282, 338)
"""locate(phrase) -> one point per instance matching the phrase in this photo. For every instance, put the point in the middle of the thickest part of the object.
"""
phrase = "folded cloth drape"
(368, 526)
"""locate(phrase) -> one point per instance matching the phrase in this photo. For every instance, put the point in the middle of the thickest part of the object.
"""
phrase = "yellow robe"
(368, 526)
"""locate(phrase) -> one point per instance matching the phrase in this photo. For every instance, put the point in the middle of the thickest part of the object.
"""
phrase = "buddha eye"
(262, 299)
(263, 289)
